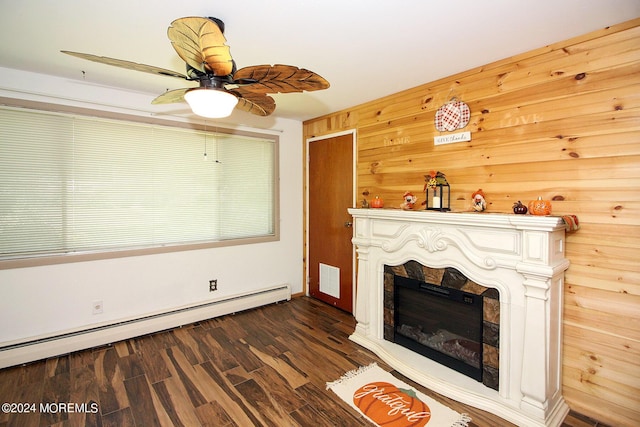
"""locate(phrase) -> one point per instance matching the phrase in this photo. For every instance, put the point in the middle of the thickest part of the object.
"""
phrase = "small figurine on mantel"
(409, 201)
(479, 203)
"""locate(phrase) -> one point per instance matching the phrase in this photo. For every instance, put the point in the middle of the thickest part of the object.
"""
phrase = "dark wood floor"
(262, 367)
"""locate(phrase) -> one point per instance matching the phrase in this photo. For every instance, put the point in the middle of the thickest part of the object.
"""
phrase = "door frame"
(351, 132)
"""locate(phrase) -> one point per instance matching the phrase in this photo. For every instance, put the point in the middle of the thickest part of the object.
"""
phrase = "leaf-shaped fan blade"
(255, 103)
(200, 43)
(171, 96)
(280, 79)
(126, 64)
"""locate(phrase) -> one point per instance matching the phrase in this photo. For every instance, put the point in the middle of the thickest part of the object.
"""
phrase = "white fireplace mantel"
(522, 256)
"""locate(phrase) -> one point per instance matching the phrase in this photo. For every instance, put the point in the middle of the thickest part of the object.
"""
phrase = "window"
(74, 184)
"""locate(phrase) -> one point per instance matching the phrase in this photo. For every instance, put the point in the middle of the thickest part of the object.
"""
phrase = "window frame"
(21, 261)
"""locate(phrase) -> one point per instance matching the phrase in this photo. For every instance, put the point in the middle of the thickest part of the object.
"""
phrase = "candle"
(436, 202)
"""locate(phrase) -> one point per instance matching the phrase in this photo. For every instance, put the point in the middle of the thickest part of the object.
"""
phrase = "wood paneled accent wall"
(561, 122)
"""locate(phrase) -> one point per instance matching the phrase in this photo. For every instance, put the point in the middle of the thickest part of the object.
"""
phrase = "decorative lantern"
(438, 192)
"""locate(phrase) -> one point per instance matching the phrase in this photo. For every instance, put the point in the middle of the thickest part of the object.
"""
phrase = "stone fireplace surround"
(522, 256)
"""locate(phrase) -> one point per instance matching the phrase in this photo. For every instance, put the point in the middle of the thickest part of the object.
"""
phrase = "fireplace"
(443, 315)
(513, 263)
(442, 324)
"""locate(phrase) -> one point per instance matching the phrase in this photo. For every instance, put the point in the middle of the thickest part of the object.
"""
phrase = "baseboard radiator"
(36, 349)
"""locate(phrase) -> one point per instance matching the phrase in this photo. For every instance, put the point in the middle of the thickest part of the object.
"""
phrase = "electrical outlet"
(96, 307)
(213, 285)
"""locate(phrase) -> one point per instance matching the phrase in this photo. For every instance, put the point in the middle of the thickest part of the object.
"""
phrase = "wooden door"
(330, 228)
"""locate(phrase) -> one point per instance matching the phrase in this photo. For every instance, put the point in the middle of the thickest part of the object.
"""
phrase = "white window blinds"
(76, 184)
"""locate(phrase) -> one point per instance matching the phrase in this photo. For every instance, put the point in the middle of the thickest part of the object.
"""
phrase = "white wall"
(43, 300)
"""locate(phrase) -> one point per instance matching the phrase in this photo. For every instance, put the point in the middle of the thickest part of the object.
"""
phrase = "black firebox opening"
(443, 324)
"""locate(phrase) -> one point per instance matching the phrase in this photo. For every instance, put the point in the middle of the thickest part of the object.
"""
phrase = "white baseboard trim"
(40, 348)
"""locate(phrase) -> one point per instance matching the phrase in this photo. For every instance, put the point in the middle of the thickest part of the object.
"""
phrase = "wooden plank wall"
(561, 122)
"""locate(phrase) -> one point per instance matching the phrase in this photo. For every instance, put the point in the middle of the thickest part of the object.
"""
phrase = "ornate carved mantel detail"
(522, 256)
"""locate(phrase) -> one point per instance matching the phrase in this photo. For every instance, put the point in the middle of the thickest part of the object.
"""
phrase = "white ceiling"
(365, 48)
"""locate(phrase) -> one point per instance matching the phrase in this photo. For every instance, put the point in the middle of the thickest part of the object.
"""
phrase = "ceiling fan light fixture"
(211, 103)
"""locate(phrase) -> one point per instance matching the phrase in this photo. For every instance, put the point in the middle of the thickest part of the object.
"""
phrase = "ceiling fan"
(201, 44)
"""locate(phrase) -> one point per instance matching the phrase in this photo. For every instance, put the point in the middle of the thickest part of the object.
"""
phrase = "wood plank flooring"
(262, 367)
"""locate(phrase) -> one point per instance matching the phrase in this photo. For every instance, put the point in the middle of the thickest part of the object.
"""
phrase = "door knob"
(348, 224)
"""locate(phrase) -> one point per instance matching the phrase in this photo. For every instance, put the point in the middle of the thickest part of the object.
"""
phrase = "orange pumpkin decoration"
(377, 202)
(389, 406)
(540, 207)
